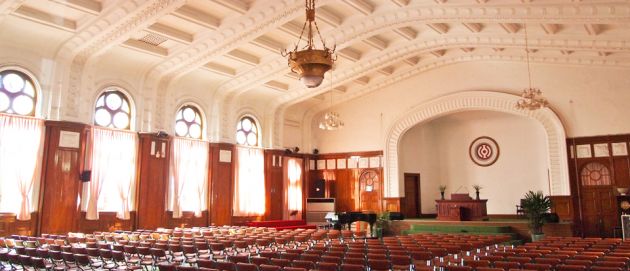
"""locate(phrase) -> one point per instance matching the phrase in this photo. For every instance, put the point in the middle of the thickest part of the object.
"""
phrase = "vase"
(442, 193)
(477, 192)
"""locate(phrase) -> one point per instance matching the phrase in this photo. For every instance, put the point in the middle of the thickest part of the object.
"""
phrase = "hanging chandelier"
(531, 98)
(331, 120)
(309, 63)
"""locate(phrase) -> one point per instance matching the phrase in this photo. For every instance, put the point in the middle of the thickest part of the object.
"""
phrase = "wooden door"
(153, 183)
(370, 191)
(599, 211)
(411, 203)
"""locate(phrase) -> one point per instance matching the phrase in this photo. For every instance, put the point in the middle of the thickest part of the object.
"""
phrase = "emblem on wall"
(484, 151)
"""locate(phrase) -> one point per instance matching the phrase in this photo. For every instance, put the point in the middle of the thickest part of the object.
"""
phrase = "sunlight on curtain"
(113, 173)
(249, 182)
(21, 141)
(188, 185)
(293, 188)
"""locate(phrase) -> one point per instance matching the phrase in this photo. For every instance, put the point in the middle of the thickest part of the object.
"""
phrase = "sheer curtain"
(188, 185)
(21, 141)
(249, 182)
(113, 173)
(292, 188)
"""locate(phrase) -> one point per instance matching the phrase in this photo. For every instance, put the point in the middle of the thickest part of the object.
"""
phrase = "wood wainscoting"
(10, 225)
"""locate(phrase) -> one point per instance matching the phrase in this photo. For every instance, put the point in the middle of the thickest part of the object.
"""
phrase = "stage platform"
(517, 228)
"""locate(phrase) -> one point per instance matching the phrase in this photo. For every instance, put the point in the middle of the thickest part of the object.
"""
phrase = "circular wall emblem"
(484, 151)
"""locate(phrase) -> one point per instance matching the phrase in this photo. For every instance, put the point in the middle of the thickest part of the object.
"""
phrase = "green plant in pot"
(535, 205)
(383, 225)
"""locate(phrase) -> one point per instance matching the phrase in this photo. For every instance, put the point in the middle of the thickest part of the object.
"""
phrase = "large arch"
(477, 100)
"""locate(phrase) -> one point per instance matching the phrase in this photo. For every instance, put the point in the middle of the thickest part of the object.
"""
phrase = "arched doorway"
(476, 100)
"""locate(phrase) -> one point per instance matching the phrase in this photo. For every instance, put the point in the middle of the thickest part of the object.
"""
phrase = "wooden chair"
(267, 267)
(351, 267)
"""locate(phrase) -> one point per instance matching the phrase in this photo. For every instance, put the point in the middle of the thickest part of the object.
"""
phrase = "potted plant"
(477, 188)
(383, 223)
(535, 205)
(442, 189)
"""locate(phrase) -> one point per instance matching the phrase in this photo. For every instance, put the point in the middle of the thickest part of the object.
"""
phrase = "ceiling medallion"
(531, 98)
(309, 63)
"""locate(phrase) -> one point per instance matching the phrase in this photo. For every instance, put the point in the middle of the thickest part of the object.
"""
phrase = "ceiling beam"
(440, 28)
(268, 43)
(603, 53)
(361, 5)
(473, 27)
(498, 49)
(551, 28)
(145, 47)
(376, 42)
(401, 3)
(244, 57)
(440, 1)
(350, 54)
(235, 5)
(406, 32)
(467, 49)
(198, 17)
(88, 6)
(220, 69)
(511, 28)
(170, 32)
(341, 89)
(46, 18)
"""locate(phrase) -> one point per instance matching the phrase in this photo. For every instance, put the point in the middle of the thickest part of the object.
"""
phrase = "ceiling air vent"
(153, 39)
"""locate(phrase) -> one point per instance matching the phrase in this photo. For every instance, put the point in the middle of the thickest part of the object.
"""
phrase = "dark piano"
(347, 218)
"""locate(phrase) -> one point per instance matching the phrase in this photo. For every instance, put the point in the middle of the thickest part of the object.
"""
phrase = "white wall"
(588, 100)
(438, 150)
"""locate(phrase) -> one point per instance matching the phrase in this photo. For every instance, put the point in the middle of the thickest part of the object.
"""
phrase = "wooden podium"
(461, 207)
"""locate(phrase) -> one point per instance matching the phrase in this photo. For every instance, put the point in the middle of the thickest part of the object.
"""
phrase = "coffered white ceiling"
(234, 45)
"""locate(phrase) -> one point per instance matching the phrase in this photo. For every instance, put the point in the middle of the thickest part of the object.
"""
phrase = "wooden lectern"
(461, 207)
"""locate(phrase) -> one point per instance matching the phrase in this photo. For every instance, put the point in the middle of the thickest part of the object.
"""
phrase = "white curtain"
(21, 141)
(113, 173)
(292, 188)
(249, 182)
(188, 185)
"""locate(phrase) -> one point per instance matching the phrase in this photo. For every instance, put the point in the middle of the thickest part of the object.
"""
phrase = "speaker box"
(317, 189)
(85, 176)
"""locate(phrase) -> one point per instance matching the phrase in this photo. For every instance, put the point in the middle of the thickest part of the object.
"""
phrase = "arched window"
(247, 132)
(188, 122)
(113, 110)
(17, 93)
(595, 174)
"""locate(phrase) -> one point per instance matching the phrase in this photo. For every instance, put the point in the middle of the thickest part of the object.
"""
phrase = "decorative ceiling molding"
(101, 35)
(8, 6)
(386, 58)
(413, 15)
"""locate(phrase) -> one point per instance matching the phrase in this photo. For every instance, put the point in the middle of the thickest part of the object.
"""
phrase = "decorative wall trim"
(477, 100)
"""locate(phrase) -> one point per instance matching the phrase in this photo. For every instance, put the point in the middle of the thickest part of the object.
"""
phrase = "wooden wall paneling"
(563, 206)
(222, 189)
(621, 169)
(107, 221)
(274, 184)
(152, 183)
(60, 184)
(9, 225)
(391, 204)
(346, 186)
(187, 220)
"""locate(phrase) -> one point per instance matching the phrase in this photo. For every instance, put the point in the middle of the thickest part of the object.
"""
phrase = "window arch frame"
(198, 109)
(37, 98)
(604, 174)
(130, 100)
(255, 123)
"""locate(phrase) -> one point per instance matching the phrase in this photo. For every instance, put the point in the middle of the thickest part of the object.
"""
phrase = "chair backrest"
(267, 267)
(246, 267)
(351, 267)
(166, 267)
(327, 266)
(458, 268)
